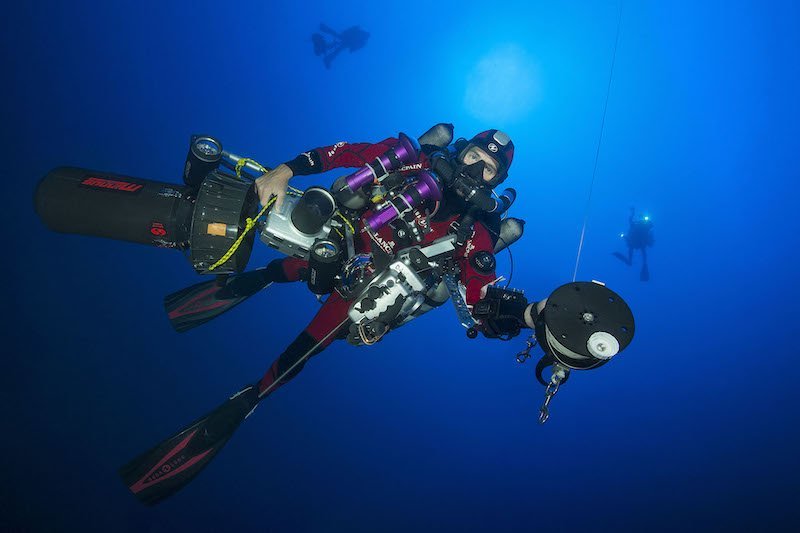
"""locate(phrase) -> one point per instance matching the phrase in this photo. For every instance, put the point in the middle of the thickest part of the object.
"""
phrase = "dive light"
(205, 155)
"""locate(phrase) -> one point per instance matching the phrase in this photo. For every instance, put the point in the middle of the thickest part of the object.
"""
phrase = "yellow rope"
(248, 226)
(243, 161)
(349, 225)
(250, 222)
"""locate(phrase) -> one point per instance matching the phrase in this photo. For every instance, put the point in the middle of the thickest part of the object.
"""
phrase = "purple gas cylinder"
(426, 187)
(405, 152)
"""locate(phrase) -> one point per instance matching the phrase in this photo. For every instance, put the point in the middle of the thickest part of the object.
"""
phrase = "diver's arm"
(274, 183)
(476, 263)
(501, 312)
(339, 155)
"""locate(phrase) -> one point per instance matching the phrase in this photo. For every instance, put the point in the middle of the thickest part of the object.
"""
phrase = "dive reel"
(580, 326)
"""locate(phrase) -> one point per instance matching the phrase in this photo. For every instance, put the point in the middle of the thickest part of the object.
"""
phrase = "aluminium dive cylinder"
(102, 204)
(438, 135)
(511, 230)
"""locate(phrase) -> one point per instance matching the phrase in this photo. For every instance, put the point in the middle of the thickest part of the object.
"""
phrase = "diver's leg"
(171, 464)
(286, 270)
(315, 338)
(329, 57)
(644, 275)
(622, 258)
(289, 269)
(202, 302)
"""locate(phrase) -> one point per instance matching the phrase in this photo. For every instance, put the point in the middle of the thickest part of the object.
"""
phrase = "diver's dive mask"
(497, 145)
(472, 172)
(466, 181)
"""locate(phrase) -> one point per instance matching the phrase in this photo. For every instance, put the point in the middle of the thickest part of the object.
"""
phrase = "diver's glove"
(501, 312)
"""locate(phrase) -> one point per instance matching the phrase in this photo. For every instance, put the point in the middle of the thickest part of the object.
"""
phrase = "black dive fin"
(162, 471)
(196, 305)
(644, 275)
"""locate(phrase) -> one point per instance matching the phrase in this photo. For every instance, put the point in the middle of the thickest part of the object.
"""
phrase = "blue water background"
(693, 428)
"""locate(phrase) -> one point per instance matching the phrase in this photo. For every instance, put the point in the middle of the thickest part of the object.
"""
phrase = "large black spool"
(573, 313)
(102, 204)
(223, 205)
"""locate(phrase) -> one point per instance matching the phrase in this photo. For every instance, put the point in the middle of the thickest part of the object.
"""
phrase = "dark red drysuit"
(334, 311)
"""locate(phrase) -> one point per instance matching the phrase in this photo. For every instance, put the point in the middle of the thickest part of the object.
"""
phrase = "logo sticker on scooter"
(157, 229)
(113, 185)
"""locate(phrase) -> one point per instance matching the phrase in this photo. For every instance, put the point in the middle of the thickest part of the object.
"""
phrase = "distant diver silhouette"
(638, 237)
(352, 39)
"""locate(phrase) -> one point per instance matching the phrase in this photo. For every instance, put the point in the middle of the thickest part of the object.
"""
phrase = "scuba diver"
(352, 39)
(417, 224)
(638, 237)
(485, 160)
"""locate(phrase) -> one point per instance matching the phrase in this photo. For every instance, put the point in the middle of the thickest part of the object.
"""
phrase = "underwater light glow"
(503, 86)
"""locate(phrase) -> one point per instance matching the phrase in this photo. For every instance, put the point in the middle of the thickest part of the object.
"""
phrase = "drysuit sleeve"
(341, 154)
(477, 263)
